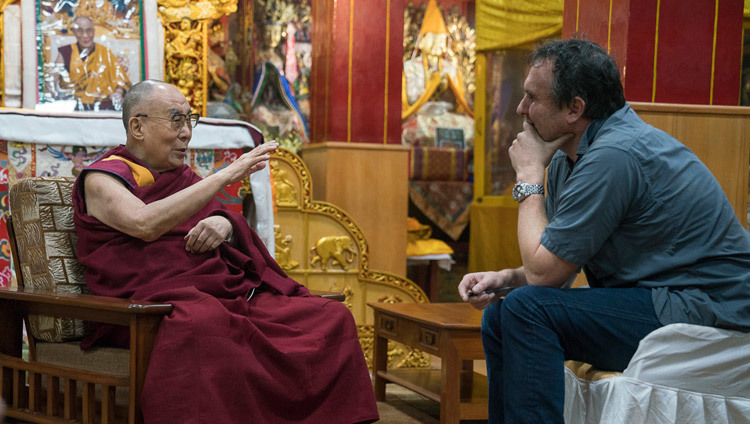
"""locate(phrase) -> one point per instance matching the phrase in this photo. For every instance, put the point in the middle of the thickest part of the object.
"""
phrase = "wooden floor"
(402, 406)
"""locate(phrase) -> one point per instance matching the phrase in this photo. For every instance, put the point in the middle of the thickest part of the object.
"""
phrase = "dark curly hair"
(582, 68)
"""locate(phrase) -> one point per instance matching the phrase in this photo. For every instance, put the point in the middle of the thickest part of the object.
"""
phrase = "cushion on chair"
(108, 360)
(42, 212)
(680, 373)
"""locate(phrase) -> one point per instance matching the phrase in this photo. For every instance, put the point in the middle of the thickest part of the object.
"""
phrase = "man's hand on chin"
(530, 153)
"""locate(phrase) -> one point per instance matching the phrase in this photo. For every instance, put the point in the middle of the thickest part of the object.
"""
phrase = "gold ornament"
(283, 249)
(286, 193)
(340, 249)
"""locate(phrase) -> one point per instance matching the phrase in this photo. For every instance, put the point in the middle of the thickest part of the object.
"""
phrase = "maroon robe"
(282, 356)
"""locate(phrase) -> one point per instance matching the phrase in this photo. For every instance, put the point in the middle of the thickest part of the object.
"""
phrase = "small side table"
(450, 331)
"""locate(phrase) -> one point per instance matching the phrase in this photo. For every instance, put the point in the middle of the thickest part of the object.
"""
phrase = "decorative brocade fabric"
(439, 164)
(446, 203)
(419, 128)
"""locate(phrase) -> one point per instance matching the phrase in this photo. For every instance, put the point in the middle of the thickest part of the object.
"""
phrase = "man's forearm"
(532, 219)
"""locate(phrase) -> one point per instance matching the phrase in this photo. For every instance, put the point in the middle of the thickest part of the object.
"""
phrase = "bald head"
(78, 19)
(138, 95)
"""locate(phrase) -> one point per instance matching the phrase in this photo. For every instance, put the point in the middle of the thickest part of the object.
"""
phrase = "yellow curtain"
(747, 8)
(503, 24)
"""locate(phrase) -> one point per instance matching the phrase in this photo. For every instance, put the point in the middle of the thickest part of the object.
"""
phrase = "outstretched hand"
(530, 153)
(250, 162)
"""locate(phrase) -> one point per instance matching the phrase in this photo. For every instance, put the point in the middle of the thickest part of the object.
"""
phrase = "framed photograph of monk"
(89, 53)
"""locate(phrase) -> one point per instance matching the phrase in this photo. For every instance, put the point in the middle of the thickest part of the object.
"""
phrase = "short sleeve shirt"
(639, 209)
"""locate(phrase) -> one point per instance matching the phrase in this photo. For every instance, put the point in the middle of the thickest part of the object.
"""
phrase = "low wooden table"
(450, 331)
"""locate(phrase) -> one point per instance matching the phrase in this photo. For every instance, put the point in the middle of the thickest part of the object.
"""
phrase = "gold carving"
(186, 44)
(185, 59)
(414, 358)
(343, 218)
(183, 41)
(283, 249)
(286, 194)
(339, 248)
(347, 291)
(366, 335)
(175, 10)
(390, 299)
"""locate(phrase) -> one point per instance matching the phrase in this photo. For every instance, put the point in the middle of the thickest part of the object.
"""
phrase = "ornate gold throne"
(319, 245)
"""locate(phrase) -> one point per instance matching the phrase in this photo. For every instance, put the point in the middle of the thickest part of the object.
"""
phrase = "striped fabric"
(439, 164)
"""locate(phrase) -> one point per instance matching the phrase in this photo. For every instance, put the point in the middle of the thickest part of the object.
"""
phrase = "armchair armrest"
(329, 295)
(109, 310)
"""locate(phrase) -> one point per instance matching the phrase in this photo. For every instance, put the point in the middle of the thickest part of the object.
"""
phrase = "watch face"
(517, 192)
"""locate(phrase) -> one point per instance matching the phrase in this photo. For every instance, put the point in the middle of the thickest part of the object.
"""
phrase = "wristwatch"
(524, 190)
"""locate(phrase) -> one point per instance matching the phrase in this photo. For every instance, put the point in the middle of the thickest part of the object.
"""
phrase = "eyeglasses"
(177, 119)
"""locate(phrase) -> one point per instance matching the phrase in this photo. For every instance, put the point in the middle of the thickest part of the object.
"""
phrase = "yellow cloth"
(97, 76)
(427, 247)
(419, 241)
(586, 371)
(143, 177)
(503, 24)
(433, 20)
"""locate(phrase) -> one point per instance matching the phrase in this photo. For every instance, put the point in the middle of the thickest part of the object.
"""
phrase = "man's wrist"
(536, 178)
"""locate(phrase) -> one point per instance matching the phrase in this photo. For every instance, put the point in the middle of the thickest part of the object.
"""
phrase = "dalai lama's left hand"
(208, 234)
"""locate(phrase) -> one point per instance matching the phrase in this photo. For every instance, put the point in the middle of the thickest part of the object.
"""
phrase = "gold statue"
(286, 194)
(340, 249)
(428, 76)
(183, 42)
(283, 249)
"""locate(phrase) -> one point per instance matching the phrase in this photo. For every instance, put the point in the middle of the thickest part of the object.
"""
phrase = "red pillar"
(355, 89)
(668, 51)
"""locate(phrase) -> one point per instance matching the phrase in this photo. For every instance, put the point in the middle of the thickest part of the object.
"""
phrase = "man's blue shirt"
(639, 209)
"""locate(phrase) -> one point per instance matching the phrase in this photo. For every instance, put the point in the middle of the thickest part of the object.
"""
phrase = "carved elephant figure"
(339, 248)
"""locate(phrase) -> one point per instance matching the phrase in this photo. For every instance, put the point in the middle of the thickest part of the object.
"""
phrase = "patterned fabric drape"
(504, 24)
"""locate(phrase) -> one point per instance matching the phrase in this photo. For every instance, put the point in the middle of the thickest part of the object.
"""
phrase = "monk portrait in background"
(244, 343)
(93, 72)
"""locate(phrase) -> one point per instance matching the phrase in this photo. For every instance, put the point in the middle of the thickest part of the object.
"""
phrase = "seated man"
(649, 224)
(244, 343)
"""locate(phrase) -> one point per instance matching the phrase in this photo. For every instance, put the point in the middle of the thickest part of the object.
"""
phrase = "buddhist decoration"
(186, 53)
(438, 78)
(339, 249)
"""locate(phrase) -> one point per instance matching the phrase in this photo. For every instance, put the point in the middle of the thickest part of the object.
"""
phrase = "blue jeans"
(529, 335)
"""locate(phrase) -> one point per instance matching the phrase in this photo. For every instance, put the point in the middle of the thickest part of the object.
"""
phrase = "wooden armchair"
(60, 381)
